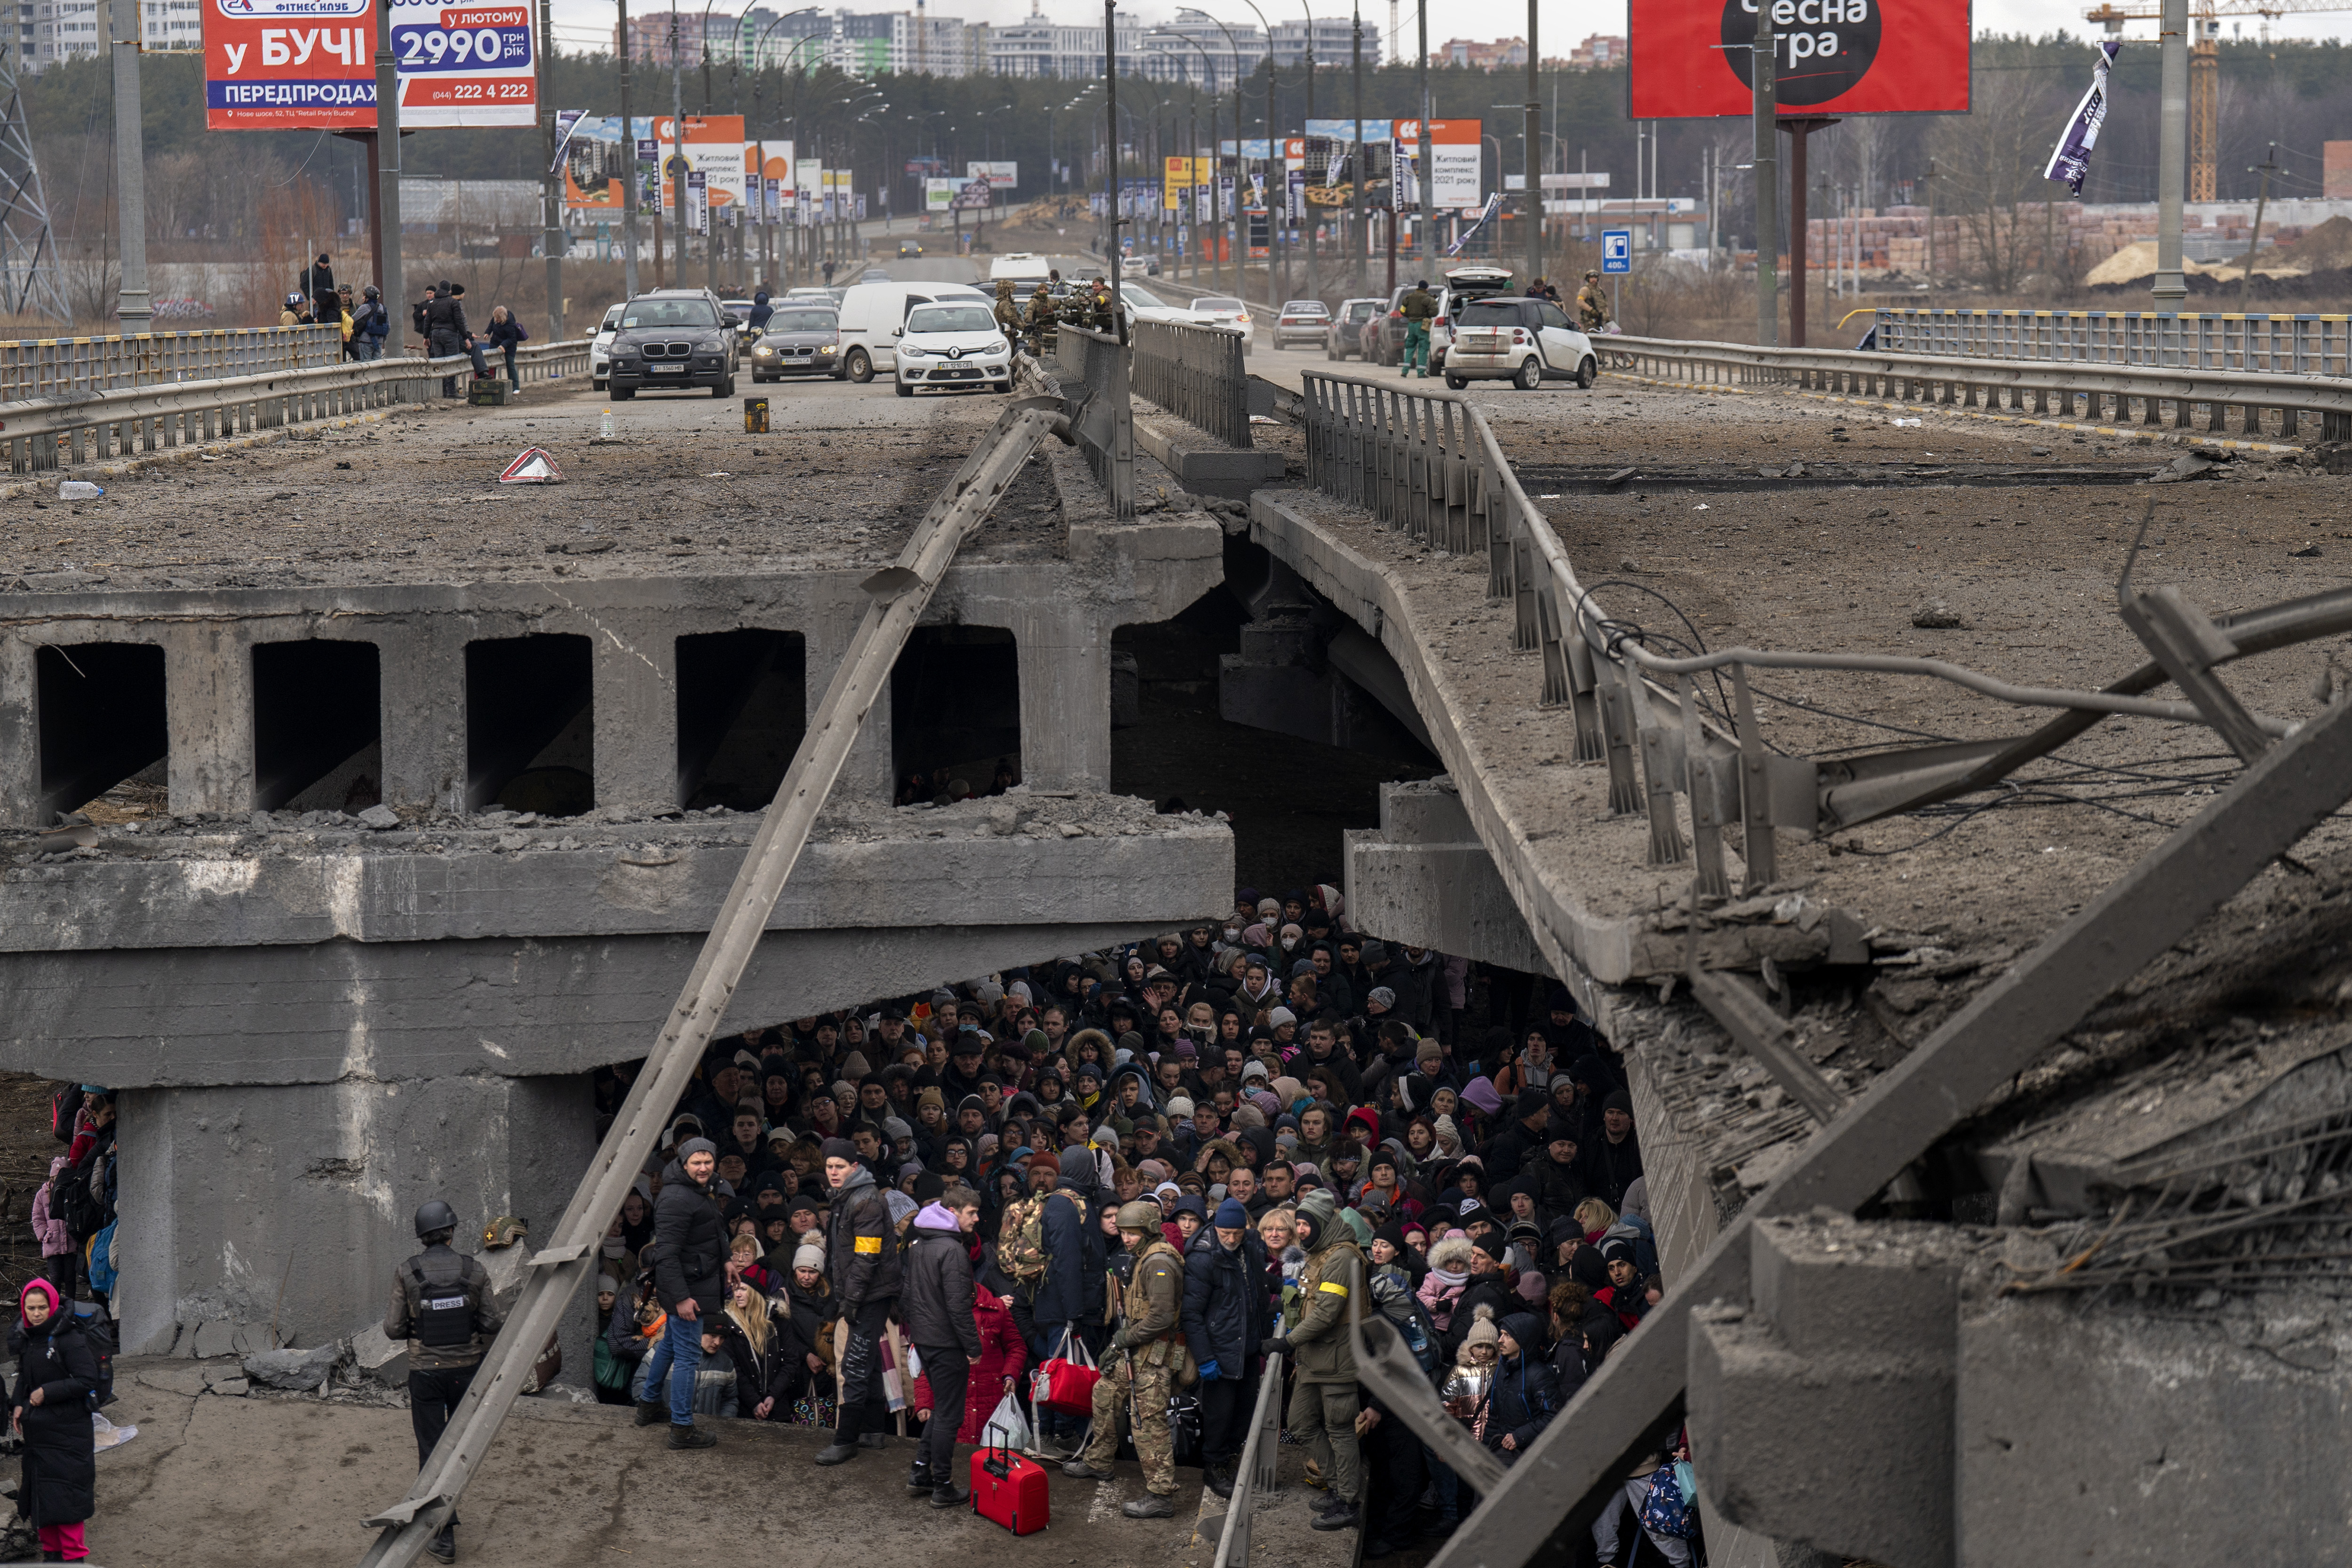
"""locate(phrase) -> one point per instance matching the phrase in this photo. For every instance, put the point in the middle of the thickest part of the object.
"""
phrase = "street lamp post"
(1362, 227)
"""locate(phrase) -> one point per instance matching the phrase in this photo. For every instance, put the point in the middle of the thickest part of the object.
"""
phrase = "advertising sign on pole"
(1453, 159)
(1836, 57)
(289, 65)
(594, 163)
(1002, 177)
(1179, 181)
(1616, 251)
(698, 201)
(462, 65)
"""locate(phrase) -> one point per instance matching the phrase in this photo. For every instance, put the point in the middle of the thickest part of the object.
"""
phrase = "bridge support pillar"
(249, 1205)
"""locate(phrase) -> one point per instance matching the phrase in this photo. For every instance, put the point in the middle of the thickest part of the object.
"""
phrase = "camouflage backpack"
(1021, 1244)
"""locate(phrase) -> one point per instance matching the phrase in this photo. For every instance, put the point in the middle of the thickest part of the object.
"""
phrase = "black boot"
(944, 1495)
(1220, 1479)
(650, 1411)
(919, 1479)
(838, 1452)
(443, 1547)
(692, 1437)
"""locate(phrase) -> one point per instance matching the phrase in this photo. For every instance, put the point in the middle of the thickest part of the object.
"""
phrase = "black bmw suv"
(675, 337)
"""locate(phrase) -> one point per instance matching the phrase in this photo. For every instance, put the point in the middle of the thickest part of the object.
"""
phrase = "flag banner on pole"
(2071, 160)
(566, 121)
(1493, 202)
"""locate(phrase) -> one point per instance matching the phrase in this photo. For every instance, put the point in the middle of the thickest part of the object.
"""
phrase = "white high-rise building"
(48, 31)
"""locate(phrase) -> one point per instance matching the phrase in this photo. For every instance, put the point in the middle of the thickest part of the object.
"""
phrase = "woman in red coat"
(995, 1372)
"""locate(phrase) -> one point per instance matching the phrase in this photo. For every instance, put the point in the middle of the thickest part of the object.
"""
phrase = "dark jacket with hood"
(861, 1254)
(1072, 1290)
(936, 1299)
(1523, 1399)
(690, 1254)
(1224, 1300)
(60, 1478)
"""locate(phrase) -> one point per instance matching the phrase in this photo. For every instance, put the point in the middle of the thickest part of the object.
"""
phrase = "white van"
(872, 316)
(1020, 265)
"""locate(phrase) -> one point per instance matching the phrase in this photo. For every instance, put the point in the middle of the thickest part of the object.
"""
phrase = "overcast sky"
(580, 24)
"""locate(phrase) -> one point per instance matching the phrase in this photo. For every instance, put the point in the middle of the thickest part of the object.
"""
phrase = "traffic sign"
(1616, 251)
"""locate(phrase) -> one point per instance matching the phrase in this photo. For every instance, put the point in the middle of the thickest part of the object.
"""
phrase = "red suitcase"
(1010, 1490)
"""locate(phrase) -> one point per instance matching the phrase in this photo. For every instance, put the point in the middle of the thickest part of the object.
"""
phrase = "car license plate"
(667, 369)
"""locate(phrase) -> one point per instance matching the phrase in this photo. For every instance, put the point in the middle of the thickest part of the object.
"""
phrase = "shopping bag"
(1065, 1381)
(1008, 1427)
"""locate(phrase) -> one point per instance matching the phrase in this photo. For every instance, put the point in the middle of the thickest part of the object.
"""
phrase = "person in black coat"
(1524, 1395)
(938, 1305)
(56, 1373)
(689, 1265)
(1224, 1317)
(767, 1351)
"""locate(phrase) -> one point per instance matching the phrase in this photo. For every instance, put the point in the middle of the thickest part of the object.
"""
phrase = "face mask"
(1232, 933)
(1289, 942)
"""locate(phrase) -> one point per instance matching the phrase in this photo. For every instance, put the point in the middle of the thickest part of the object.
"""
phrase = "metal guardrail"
(897, 597)
(1259, 1474)
(2065, 389)
(1091, 369)
(1196, 373)
(42, 434)
(1428, 462)
(66, 367)
(2291, 345)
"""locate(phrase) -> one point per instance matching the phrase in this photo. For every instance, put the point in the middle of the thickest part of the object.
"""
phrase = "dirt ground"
(839, 481)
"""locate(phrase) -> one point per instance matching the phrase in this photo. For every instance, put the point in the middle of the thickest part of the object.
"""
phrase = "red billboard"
(284, 65)
(1689, 59)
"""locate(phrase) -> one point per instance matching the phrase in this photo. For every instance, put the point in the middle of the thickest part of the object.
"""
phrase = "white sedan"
(1224, 311)
(600, 347)
(952, 345)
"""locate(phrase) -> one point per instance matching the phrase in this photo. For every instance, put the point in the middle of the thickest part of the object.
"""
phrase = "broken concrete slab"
(233, 1387)
(212, 1336)
(380, 1358)
(173, 1379)
(302, 1370)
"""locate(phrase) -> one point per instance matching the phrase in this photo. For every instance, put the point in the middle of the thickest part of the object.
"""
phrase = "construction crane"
(2205, 66)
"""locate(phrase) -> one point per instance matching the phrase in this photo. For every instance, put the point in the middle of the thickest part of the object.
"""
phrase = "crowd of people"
(1168, 1162)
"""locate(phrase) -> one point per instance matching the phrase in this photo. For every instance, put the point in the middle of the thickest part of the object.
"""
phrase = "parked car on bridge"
(953, 345)
(1301, 320)
(675, 338)
(1343, 336)
(802, 338)
(1525, 342)
(600, 347)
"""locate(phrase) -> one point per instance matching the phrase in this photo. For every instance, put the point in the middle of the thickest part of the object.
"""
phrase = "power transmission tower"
(29, 284)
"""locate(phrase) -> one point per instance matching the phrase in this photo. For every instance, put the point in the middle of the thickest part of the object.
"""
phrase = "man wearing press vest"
(441, 1305)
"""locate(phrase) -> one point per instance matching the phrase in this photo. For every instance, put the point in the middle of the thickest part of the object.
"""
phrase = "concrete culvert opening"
(102, 721)
(955, 709)
(530, 725)
(317, 726)
(743, 708)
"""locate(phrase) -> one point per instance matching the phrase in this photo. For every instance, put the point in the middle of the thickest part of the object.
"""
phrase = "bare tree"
(1991, 159)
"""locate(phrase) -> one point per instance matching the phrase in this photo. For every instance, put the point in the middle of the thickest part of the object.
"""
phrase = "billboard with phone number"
(464, 65)
(285, 65)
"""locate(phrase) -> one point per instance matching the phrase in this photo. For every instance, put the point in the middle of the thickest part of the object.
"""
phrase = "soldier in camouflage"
(1324, 1401)
(1149, 1362)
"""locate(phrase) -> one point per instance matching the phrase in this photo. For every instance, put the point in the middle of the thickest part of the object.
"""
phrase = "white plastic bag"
(1008, 1427)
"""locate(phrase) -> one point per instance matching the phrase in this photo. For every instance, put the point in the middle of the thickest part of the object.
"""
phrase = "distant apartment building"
(862, 43)
(1501, 55)
(1599, 51)
(49, 31)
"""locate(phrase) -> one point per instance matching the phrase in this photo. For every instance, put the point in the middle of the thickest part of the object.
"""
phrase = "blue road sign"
(1616, 251)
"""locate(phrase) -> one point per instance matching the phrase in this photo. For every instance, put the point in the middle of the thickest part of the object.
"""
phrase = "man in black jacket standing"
(446, 332)
(1225, 1311)
(689, 1261)
(941, 1318)
(862, 1257)
(441, 1306)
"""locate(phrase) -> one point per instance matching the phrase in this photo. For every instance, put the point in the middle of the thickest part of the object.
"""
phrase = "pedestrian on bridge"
(862, 1265)
(441, 1306)
(1418, 308)
(506, 334)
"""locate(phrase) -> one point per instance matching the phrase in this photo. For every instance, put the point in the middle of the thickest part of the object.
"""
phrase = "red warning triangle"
(534, 467)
